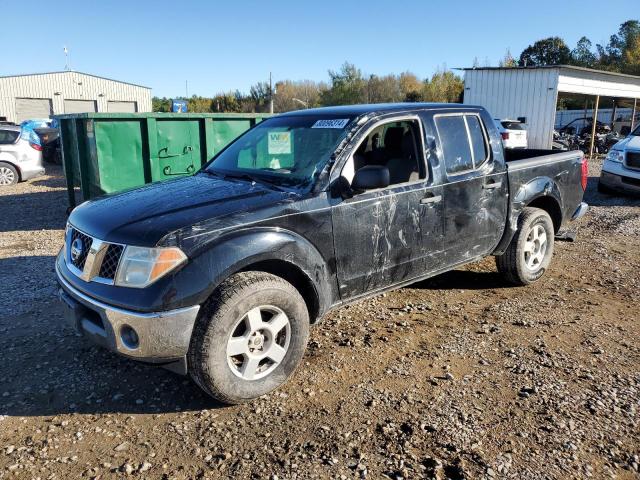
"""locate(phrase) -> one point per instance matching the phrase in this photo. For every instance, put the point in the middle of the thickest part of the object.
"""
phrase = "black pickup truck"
(222, 273)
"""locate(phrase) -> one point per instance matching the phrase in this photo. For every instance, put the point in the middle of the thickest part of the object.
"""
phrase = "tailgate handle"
(431, 199)
(491, 185)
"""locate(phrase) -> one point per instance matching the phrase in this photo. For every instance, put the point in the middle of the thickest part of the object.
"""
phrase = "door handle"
(492, 185)
(431, 199)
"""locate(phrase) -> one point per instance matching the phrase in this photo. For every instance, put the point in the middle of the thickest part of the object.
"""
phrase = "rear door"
(475, 188)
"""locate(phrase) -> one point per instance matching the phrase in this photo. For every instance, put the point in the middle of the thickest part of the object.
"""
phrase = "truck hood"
(632, 141)
(145, 215)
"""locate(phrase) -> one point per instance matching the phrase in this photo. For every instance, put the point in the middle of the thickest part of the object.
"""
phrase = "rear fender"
(535, 189)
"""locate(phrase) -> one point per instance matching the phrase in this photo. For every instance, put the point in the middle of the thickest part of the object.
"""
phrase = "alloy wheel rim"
(259, 342)
(7, 177)
(535, 247)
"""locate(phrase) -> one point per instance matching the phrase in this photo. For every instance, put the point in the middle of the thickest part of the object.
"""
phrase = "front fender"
(524, 195)
(238, 250)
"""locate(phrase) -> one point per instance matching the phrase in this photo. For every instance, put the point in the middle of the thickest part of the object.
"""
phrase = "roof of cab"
(355, 110)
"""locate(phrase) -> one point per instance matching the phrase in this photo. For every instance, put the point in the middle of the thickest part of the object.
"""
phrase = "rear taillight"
(585, 173)
(35, 146)
(505, 135)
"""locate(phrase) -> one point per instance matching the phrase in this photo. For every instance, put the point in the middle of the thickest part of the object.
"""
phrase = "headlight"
(140, 266)
(615, 156)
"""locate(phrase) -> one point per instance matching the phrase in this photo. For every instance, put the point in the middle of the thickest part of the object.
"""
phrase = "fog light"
(129, 337)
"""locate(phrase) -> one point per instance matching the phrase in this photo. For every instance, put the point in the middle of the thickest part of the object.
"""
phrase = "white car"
(621, 167)
(513, 132)
(20, 155)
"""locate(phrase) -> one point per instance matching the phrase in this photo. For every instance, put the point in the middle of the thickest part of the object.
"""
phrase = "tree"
(631, 59)
(198, 104)
(292, 95)
(347, 86)
(383, 89)
(582, 55)
(508, 60)
(410, 87)
(444, 86)
(548, 51)
(160, 104)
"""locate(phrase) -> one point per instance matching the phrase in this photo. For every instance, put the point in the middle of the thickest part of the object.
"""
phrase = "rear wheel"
(249, 337)
(8, 174)
(530, 251)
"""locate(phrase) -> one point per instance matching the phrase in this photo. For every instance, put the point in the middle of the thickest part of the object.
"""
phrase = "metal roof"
(76, 72)
(568, 67)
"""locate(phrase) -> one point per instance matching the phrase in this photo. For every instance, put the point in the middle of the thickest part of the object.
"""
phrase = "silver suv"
(20, 155)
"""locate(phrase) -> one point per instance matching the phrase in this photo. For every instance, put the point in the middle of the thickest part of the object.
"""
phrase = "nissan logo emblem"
(76, 249)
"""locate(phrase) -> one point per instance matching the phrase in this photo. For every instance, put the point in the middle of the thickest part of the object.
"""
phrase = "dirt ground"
(457, 377)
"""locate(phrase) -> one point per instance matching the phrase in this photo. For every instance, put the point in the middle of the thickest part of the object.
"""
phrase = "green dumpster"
(109, 152)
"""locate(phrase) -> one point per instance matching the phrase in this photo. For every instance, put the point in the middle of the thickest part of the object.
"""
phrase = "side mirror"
(371, 177)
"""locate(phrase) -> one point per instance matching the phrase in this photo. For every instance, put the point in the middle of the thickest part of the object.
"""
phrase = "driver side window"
(395, 145)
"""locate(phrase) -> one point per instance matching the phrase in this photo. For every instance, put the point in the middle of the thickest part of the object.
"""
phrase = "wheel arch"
(280, 252)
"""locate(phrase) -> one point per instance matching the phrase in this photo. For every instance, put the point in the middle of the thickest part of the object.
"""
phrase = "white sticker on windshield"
(279, 143)
(335, 123)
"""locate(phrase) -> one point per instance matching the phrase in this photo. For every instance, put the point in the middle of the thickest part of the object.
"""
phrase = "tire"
(525, 261)
(8, 174)
(229, 314)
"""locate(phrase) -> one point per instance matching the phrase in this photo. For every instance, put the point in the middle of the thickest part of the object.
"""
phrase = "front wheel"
(530, 251)
(249, 337)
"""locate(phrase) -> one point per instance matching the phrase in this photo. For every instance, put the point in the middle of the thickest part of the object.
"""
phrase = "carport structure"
(534, 92)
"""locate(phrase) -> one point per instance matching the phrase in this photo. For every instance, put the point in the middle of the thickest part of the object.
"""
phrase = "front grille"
(110, 262)
(631, 181)
(633, 160)
(110, 253)
(86, 245)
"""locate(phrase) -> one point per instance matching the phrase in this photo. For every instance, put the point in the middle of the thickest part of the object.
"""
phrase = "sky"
(214, 46)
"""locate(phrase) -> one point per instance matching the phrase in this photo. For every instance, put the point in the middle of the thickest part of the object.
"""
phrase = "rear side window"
(463, 141)
(478, 143)
(8, 136)
(513, 125)
(455, 143)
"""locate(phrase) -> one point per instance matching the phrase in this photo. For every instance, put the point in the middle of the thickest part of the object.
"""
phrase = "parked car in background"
(20, 155)
(621, 168)
(221, 274)
(513, 133)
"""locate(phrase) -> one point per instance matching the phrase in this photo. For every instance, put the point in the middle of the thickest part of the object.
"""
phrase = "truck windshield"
(286, 150)
(636, 132)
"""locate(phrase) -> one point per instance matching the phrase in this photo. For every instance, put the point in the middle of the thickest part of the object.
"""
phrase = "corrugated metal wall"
(69, 85)
(517, 93)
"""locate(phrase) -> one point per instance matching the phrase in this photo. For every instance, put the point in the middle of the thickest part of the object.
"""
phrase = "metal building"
(41, 95)
(533, 92)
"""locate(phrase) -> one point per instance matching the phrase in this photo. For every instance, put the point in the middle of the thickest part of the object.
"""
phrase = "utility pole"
(270, 94)
(67, 65)
(186, 89)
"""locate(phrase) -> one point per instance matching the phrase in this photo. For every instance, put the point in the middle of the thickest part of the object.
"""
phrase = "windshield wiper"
(252, 179)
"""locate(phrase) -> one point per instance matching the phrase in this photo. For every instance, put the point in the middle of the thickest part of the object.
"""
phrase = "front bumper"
(616, 176)
(159, 337)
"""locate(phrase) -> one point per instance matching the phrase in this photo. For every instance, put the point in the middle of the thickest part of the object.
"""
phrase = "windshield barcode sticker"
(335, 123)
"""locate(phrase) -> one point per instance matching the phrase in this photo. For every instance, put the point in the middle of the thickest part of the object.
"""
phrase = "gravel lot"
(456, 377)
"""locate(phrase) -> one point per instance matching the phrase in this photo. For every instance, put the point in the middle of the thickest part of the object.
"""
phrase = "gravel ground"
(456, 377)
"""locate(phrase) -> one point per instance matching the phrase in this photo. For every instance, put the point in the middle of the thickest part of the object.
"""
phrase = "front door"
(391, 235)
